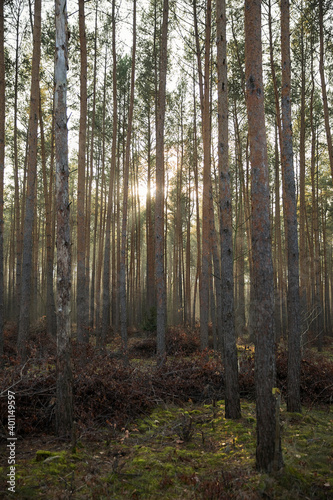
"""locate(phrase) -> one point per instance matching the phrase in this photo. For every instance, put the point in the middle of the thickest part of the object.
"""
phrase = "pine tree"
(25, 298)
(2, 167)
(293, 299)
(268, 452)
(64, 404)
(232, 402)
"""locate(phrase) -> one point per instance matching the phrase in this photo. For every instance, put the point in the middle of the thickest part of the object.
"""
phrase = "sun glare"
(143, 191)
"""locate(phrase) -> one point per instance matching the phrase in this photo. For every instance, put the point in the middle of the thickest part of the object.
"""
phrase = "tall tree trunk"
(232, 401)
(48, 195)
(206, 137)
(116, 271)
(31, 187)
(18, 238)
(151, 294)
(187, 315)
(289, 200)
(302, 204)
(278, 246)
(196, 182)
(64, 407)
(106, 269)
(326, 302)
(316, 265)
(81, 295)
(93, 266)
(268, 452)
(279, 293)
(102, 205)
(2, 167)
(90, 284)
(34, 280)
(122, 291)
(323, 86)
(138, 252)
(160, 182)
(246, 232)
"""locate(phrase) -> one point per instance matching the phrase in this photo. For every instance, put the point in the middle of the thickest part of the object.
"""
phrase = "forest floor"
(161, 434)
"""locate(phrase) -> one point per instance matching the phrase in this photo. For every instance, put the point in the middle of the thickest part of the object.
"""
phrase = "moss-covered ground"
(188, 452)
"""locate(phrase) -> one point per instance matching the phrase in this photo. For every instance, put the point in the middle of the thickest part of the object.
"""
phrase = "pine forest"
(166, 248)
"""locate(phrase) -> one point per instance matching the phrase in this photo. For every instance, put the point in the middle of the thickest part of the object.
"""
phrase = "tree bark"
(196, 183)
(268, 451)
(24, 321)
(323, 86)
(90, 283)
(18, 236)
(289, 199)
(64, 406)
(315, 237)
(151, 293)
(160, 182)
(206, 137)
(304, 278)
(106, 270)
(102, 205)
(232, 401)
(81, 295)
(123, 260)
(2, 167)
(48, 195)
(187, 312)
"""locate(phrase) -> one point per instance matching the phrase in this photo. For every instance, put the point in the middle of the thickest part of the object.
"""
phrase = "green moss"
(156, 463)
(44, 454)
(139, 462)
(61, 456)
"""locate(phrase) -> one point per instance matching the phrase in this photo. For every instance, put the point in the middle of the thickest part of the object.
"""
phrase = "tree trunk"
(93, 266)
(302, 203)
(138, 258)
(18, 238)
(315, 237)
(323, 86)
(232, 401)
(151, 293)
(268, 452)
(326, 302)
(187, 303)
(81, 295)
(64, 407)
(2, 166)
(159, 209)
(278, 246)
(289, 199)
(48, 195)
(103, 206)
(90, 283)
(206, 137)
(196, 182)
(123, 260)
(24, 322)
(106, 270)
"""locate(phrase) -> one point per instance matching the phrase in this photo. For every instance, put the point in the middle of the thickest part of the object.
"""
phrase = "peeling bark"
(64, 406)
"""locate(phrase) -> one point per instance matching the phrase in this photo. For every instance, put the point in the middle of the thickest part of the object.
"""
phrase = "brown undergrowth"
(149, 433)
(107, 388)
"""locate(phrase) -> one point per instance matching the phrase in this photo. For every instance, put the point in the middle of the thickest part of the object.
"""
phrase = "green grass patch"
(189, 452)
